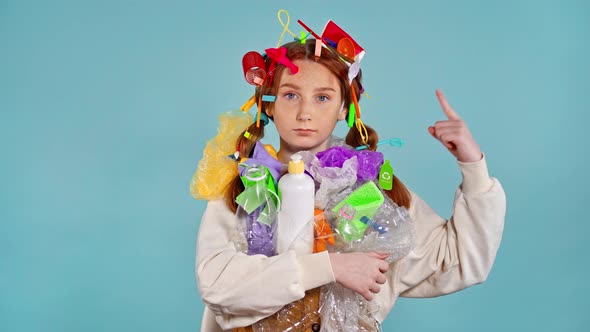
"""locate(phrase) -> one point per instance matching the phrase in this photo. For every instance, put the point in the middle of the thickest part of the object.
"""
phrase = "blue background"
(106, 106)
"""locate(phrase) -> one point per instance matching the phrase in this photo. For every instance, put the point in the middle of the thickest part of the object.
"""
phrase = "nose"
(303, 116)
(304, 111)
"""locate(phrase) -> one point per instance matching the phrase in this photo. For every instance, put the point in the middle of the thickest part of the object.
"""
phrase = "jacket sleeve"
(455, 254)
(241, 289)
(450, 256)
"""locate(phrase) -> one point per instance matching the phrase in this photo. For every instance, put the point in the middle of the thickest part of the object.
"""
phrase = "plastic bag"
(298, 316)
(363, 219)
(353, 216)
(343, 310)
(390, 231)
(216, 169)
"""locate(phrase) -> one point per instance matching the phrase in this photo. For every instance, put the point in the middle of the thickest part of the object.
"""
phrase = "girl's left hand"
(454, 134)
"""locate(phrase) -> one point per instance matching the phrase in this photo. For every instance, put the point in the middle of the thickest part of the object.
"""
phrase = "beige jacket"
(239, 290)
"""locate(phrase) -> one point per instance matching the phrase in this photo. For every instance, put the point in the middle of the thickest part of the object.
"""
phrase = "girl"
(239, 290)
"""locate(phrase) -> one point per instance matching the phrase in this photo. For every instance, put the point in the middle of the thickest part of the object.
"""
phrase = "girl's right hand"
(361, 272)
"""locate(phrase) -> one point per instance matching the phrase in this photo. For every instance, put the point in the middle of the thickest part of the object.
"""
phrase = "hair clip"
(318, 49)
(269, 98)
(351, 115)
(235, 156)
(264, 118)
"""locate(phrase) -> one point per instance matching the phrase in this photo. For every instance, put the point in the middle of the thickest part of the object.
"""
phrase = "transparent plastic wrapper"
(216, 168)
(331, 180)
(365, 219)
(259, 204)
(298, 316)
(369, 162)
(340, 167)
(304, 314)
(390, 231)
(343, 310)
(352, 215)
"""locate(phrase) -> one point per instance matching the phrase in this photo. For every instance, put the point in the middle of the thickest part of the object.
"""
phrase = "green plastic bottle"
(386, 176)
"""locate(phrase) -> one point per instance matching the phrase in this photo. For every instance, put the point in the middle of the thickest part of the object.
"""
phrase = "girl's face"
(307, 107)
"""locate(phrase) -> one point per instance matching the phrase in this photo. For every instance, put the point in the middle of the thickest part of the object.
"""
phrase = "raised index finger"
(449, 112)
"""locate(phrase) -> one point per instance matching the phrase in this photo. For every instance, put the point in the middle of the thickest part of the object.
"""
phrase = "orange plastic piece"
(322, 232)
(346, 47)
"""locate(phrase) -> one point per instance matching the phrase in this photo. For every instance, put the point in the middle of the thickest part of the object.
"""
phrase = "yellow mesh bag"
(216, 169)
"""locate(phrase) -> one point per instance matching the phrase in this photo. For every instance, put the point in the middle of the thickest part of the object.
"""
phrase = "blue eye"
(323, 98)
(290, 95)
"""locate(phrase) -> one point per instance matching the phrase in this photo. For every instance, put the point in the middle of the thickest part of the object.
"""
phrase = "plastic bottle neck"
(255, 173)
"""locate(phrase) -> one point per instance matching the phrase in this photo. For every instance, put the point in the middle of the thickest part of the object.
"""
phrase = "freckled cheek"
(284, 108)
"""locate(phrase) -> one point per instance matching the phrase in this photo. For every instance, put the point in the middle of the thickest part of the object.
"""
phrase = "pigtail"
(234, 188)
(398, 193)
(244, 145)
(354, 138)
(247, 140)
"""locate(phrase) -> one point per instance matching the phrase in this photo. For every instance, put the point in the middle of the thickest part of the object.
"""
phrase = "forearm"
(242, 289)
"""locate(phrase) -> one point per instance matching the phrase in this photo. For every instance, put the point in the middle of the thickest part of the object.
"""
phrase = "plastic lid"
(296, 165)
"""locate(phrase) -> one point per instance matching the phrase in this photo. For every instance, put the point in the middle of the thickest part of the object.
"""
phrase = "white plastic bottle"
(295, 218)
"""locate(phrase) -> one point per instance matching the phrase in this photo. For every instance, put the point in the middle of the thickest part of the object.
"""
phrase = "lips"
(304, 132)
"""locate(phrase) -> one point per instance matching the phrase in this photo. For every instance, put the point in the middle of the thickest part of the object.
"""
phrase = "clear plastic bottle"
(295, 219)
(260, 208)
